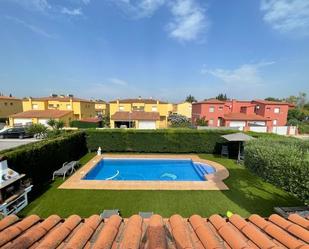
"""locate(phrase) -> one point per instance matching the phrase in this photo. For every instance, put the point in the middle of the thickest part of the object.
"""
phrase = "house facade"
(41, 117)
(242, 114)
(9, 106)
(139, 113)
(101, 108)
(184, 109)
(81, 108)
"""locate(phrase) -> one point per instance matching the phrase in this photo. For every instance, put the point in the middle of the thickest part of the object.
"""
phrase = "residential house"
(139, 113)
(183, 108)
(101, 108)
(41, 117)
(242, 114)
(9, 106)
(81, 108)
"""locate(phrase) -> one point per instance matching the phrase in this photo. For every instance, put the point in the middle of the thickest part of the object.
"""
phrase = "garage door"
(239, 124)
(43, 121)
(22, 121)
(147, 125)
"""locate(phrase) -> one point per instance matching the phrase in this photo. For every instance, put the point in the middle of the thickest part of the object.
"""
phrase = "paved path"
(11, 143)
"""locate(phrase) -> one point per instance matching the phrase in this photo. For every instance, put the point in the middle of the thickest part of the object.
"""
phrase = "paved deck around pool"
(214, 181)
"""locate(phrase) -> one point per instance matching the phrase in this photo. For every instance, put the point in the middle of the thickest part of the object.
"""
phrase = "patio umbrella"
(238, 137)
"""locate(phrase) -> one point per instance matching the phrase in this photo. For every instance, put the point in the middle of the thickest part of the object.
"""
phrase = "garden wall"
(156, 141)
(283, 162)
(39, 160)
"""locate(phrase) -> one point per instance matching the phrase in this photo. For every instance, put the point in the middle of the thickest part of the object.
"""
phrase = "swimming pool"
(142, 169)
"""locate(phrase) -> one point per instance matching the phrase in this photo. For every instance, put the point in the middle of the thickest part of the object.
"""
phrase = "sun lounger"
(66, 168)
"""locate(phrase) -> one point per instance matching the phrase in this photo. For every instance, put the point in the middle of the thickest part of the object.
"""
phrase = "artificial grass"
(248, 194)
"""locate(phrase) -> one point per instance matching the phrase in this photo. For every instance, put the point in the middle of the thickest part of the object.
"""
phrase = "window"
(220, 108)
(121, 108)
(277, 110)
(69, 107)
(211, 122)
(5, 103)
(154, 109)
(211, 109)
(35, 106)
(11, 103)
(275, 121)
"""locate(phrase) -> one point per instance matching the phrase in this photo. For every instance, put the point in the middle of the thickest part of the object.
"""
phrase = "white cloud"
(139, 8)
(118, 82)
(31, 27)
(287, 15)
(247, 74)
(37, 5)
(71, 12)
(189, 20)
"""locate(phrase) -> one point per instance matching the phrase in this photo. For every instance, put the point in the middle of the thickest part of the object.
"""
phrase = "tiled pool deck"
(214, 181)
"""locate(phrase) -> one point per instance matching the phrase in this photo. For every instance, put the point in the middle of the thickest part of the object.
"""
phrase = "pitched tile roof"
(136, 115)
(210, 101)
(244, 116)
(41, 114)
(59, 98)
(267, 102)
(91, 120)
(155, 232)
(146, 101)
(8, 98)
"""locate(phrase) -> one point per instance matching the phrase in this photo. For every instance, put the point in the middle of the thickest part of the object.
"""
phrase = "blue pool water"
(149, 170)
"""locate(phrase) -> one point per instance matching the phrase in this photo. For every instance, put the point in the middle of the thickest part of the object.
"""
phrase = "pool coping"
(214, 181)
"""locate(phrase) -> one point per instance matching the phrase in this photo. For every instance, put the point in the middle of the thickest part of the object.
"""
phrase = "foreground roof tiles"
(155, 233)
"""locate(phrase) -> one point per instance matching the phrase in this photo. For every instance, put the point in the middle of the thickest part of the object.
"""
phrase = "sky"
(166, 49)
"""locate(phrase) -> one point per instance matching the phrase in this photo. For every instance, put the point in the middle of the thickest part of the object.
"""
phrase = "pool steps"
(202, 170)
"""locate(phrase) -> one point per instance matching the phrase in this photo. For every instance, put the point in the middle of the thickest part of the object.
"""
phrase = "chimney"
(234, 107)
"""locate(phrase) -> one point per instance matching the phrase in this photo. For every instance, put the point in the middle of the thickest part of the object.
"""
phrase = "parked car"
(16, 132)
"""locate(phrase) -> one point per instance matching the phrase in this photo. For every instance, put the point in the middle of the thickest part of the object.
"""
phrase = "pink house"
(243, 114)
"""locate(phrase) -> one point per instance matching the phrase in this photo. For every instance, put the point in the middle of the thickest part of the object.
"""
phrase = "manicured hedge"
(283, 162)
(156, 141)
(85, 125)
(39, 160)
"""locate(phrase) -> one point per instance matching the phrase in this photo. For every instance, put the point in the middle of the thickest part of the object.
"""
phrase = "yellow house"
(81, 108)
(139, 113)
(184, 108)
(9, 106)
(41, 117)
(101, 107)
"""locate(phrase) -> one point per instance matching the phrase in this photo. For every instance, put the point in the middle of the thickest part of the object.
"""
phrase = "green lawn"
(248, 194)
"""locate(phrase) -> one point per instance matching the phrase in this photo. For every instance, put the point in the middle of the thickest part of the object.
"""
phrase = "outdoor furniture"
(66, 167)
(240, 138)
(225, 151)
(145, 215)
(109, 212)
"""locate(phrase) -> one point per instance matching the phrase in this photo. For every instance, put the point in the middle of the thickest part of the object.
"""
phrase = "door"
(147, 125)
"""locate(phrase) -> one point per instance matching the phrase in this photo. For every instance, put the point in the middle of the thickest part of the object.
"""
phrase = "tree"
(296, 114)
(52, 123)
(190, 98)
(178, 121)
(301, 99)
(273, 99)
(201, 122)
(34, 129)
(222, 97)
(59, 124)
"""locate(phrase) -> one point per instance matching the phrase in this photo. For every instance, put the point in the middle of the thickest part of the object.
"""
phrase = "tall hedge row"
(282, 162)
(39, 160)
(156, 141)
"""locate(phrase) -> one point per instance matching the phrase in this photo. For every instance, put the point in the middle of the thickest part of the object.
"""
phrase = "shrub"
(39, 160)
(156, 141)
(178, 121)
(303, 127)
(36, 129)
(83, 125)
(282, 162)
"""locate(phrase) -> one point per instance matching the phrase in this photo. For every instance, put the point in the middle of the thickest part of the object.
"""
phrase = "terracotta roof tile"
(244, 116)
(7, 221)
(146, 101)
(136, 115)
(154, 233)
(8, 98)
(41, 114)
(297, 219)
